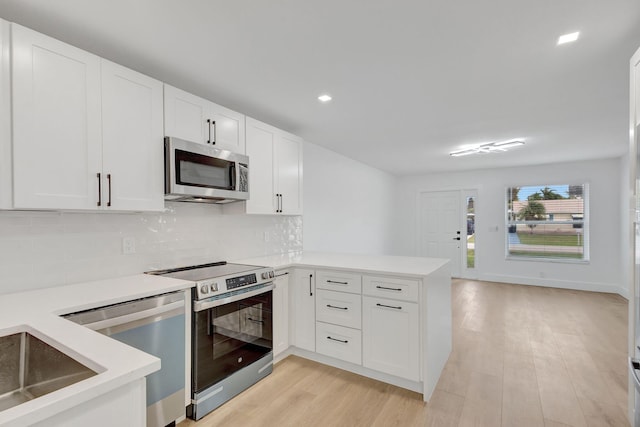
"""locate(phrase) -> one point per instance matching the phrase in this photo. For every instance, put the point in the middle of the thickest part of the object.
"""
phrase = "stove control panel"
(216, 286)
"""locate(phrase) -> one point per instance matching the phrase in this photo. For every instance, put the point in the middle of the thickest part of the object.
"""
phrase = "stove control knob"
(265, 275)
(204, 289)
(272, 274)
(214, 287)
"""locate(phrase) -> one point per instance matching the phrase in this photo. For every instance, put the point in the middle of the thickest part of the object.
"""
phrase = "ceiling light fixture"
(490, 147)
(324, 98)
(568, 38)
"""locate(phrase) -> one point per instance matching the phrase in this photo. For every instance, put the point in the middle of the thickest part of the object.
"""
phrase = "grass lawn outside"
(550, 239)
(549, 254)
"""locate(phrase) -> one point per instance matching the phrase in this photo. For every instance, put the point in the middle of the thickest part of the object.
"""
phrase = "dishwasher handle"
(169, 310)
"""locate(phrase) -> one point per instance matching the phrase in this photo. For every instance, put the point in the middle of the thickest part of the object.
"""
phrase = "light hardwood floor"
(522, 356)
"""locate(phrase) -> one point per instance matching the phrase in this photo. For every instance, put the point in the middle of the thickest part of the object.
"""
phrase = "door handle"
(109, 182)
(99, 189)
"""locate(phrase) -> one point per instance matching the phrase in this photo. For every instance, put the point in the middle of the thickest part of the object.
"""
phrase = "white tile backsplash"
(43, 249)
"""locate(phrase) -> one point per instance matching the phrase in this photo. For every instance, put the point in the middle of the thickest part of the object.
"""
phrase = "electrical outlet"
(128, 245)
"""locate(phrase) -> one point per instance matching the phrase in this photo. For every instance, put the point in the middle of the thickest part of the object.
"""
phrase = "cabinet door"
(56, 123)
(390, 337)
(289, 173)
(132, 140)
(185, 115)
(304, 315)
(227, 128)
(260, 145)
(281, 312)
(6, 174)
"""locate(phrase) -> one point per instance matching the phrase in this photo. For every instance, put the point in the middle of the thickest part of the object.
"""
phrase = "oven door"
(229, 334)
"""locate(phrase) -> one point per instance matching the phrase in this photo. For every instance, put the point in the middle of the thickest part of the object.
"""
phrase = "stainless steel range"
(232, 330)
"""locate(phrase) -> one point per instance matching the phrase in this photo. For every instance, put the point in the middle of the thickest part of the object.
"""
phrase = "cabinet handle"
(109, 185)
(278, 203)
(339, 308)
(281, 203)
(282, 274)
(310, 290)
(389, 289)
(339, 283)
(255, 320)
(209, 126)
(99, 189)
(213, 123)
(389, 306)
(336, 339)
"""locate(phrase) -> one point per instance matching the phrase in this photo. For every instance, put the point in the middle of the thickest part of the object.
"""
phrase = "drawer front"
(339, 342)
(339, 308)
(339, 281)
(391, 287)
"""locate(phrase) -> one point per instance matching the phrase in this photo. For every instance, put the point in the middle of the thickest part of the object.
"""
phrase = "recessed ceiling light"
(490, 147)
(568, 38)
(324, 98)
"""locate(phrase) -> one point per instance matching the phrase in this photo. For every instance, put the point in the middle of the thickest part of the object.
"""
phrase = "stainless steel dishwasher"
(155, 325)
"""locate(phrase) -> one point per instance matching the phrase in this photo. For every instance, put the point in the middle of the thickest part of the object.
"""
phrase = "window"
(547, 221)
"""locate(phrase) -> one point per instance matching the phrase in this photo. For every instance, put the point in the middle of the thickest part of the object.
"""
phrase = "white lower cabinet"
(280, 312)
(371, 321)
(391, 341)
(339, 342)
(339, 308)
(303, 322)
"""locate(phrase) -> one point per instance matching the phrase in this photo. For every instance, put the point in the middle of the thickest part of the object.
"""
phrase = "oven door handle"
(206, 304)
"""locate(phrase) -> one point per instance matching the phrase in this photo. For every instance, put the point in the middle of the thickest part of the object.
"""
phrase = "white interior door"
(441, 231)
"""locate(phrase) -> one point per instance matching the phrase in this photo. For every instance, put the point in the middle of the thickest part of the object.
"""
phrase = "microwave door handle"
(232, 176)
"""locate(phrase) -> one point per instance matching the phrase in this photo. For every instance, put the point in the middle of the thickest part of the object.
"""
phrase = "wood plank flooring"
(522, 356)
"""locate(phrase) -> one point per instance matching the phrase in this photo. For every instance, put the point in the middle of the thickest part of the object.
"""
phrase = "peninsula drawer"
(339, 281)
(339, 342)
(339, 308)
(391, 287)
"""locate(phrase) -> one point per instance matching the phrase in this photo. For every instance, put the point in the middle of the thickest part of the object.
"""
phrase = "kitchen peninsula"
(385, 317)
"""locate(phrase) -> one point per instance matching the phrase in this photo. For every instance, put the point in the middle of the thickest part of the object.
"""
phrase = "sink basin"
(30, 368)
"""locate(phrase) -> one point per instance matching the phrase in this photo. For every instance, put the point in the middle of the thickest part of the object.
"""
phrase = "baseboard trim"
(610, 288)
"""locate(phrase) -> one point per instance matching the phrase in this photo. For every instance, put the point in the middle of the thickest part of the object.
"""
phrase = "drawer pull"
(336, 339)
(255, 320)
(282, 274)
(389, 306)
(339, 283)
(389, 289)
(339, 308)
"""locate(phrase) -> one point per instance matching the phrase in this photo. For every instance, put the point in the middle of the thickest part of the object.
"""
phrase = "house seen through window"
(547, 221)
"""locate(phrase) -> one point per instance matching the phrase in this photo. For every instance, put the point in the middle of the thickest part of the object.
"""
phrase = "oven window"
(203, 171)
(230, 337)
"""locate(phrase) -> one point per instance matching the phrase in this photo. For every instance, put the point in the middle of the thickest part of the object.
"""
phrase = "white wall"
(348, 206)
(602, 273)
(43, 249)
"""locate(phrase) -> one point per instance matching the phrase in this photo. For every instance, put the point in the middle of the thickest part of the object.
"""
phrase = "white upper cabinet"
(56, 123)
(192, 118)
(87, 133)
(5, 117)
(275, 171)
(132, 150)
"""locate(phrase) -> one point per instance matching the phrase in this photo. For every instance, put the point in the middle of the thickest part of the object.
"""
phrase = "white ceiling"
(411, 80)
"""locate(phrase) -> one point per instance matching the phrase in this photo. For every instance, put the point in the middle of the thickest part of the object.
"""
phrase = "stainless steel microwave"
(199, 173)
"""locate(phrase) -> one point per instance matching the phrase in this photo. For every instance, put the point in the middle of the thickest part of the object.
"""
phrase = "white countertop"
(117, 364)
(376, 264)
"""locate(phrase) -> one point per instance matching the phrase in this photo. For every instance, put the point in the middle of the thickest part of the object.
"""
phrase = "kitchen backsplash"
(43, 249)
